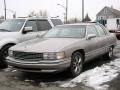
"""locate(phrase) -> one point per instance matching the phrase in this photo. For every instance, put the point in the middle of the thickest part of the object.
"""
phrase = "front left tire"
(3, 55)
(76, 64)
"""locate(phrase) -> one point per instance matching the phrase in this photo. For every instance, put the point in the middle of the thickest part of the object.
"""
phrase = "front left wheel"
(3, 55)
(76, 64)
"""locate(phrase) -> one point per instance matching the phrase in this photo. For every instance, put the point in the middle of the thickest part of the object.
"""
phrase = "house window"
(110, 16)
(105, 11)
(102, 18)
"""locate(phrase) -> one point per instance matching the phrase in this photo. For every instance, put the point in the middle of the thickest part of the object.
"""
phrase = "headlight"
(10, 53)
(51, 56)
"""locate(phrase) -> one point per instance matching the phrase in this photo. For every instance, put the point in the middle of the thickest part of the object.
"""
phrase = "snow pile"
(97, 77)
(9, 69)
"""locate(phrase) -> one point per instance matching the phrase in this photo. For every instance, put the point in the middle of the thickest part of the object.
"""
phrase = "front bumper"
(30, 66)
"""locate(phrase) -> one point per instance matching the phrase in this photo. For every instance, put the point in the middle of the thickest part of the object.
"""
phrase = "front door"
(30, 35)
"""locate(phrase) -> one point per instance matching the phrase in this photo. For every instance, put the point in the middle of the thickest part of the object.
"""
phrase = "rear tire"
(76, 64)
(109, 55)
(3, 55)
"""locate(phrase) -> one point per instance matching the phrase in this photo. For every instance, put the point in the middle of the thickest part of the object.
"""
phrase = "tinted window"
(66, 32)
(43, 25)
(56, 22)
(101, 31)
(92, 30)
(33, 24)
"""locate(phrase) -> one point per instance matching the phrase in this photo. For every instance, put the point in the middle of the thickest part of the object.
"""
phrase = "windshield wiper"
(5, 30)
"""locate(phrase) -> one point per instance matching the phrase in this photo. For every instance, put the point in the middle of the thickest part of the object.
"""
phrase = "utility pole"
(66, 10)
(82, 10)
(5, 8)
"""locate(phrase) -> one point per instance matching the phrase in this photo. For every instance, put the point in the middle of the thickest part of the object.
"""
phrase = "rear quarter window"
(106, 30)
(43, 25)
(56, 22)
(101, 31)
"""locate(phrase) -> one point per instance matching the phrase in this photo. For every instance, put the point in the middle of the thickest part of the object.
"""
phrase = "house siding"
(105, 14)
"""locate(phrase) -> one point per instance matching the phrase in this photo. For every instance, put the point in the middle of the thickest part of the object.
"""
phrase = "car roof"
(82, 24)
(78, 24)
(29, 18)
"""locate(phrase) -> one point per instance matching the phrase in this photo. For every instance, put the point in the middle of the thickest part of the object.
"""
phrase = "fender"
(4, 42)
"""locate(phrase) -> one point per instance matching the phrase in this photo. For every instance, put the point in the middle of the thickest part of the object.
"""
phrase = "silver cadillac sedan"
(65, 47)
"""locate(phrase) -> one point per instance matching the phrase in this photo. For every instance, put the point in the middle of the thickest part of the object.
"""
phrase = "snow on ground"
(97, 77)
(10, 69)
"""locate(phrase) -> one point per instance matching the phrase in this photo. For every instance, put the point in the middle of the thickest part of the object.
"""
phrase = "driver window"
(32, 24)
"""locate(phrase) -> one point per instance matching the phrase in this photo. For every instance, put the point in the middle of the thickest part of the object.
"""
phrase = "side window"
(33, 24)
(92, 30)
(43, 25)
(101, 31)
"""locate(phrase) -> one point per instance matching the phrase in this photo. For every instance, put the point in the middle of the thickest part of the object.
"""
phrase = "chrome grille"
(27, 56)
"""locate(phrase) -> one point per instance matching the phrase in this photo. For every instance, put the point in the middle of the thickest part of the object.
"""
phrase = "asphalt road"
(11, 79)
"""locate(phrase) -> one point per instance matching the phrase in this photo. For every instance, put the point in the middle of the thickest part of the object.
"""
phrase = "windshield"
(11, 25)
(66, 32)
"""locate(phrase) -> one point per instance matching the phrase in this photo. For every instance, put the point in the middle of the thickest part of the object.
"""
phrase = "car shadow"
(97, 63)
(36, 79)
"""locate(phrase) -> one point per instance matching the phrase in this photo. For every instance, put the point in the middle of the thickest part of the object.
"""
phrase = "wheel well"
(8, 44)
(81, 51)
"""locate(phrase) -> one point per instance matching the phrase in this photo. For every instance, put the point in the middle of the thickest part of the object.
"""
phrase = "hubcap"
(77, 66)
(110, 52)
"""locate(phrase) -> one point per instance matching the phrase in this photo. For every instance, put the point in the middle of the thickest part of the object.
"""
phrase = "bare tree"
(42, 13)
(2, 17)
(73, 20)
(87, 18)
(31, 14)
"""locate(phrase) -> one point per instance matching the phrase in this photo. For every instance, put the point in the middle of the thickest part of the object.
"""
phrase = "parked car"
(117, 33)
(15, 31)
(113, 25)
(63, 47)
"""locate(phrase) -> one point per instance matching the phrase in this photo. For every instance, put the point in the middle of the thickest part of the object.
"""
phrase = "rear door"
(104, 38)
(92, 44)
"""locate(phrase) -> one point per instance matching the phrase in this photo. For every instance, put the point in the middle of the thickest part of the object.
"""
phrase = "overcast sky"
(24, 7)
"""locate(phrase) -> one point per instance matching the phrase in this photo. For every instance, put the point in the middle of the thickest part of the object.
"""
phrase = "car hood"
(44, 45)
(7, 34)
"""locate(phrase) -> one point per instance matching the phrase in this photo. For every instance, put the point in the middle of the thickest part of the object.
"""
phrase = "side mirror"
(27, 29)
(89, 36)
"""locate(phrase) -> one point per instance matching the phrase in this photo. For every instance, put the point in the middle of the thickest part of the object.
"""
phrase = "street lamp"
(64, 13)
(66, 9)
